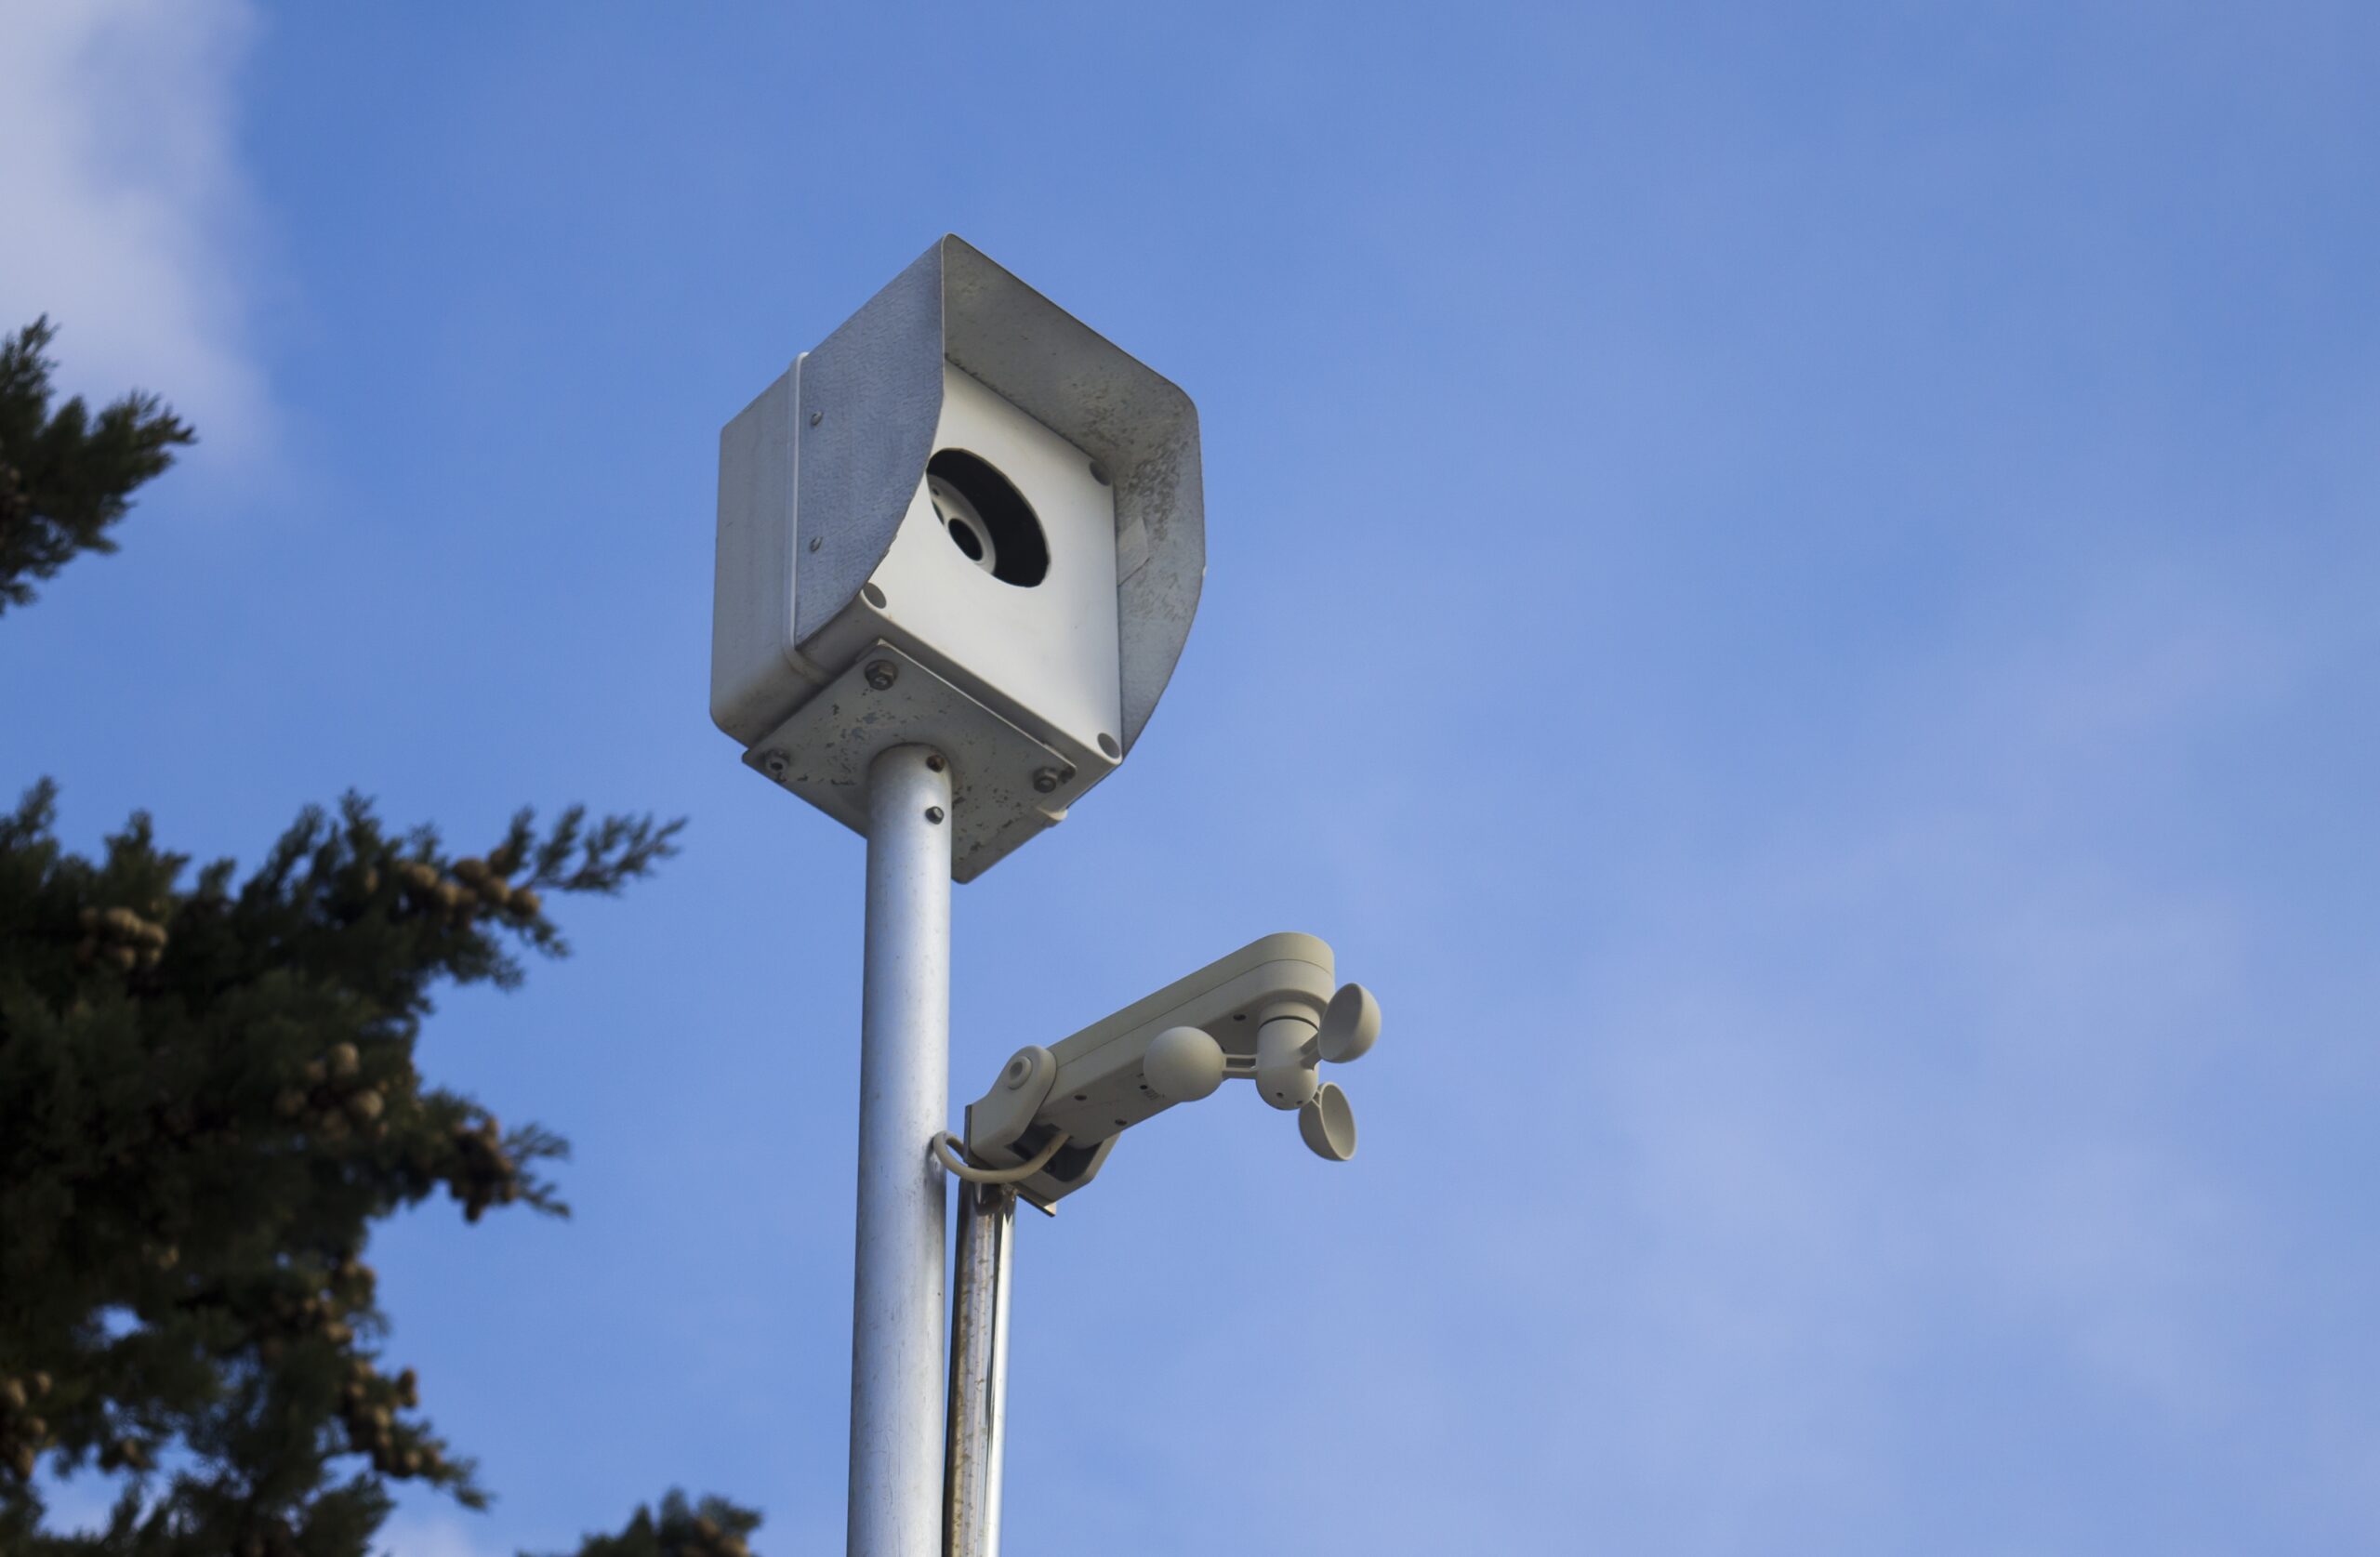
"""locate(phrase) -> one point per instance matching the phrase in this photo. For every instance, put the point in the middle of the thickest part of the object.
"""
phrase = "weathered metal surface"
(823, 753)
(977, 1420)
(818, 473)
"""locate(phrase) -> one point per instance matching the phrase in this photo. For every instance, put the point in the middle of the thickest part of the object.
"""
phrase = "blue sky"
(1794, 587)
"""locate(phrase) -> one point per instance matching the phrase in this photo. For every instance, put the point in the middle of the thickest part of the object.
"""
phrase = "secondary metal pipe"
(978, 1414)
(904, 1095)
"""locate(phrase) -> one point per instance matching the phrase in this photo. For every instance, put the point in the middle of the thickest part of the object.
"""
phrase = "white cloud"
(128, 206)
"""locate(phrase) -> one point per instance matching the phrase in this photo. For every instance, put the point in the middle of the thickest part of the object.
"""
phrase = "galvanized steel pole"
(904, 1088)
(978, 1412)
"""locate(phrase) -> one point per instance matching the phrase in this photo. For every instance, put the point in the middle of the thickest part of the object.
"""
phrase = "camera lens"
(987, 518)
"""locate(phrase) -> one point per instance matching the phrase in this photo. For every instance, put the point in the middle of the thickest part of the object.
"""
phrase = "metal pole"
(904, 1094)
(995, 1386)
(978, 1415)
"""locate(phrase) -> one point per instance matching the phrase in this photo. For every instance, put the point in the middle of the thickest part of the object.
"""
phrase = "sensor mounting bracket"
(889, 698)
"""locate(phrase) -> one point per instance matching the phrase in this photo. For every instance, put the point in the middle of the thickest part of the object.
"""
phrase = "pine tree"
(208, 1097)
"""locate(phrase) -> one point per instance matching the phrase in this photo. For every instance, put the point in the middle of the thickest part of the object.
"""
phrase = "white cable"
(943, 1141)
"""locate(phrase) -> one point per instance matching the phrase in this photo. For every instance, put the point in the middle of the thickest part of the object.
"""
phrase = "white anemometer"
(1268, 1013)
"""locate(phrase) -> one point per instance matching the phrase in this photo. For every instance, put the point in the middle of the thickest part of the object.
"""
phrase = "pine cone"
(344, 1060)
(474, 871)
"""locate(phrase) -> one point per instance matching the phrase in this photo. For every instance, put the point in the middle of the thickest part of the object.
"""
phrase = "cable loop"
(943, 1144)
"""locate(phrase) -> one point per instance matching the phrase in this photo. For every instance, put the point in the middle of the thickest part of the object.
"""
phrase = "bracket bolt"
(934, 814)
(882, 674)
(1047, 779)
(774, 762)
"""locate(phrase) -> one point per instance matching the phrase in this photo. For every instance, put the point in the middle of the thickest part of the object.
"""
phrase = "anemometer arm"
(1270, 1012)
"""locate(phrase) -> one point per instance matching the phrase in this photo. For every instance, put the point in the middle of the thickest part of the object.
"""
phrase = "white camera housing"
(1271, 1011)
(964, 521)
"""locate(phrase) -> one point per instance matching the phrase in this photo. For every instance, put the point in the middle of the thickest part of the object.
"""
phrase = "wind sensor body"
(1269, 1013)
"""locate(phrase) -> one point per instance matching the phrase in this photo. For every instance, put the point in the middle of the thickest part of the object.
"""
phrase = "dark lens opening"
(1021, 555)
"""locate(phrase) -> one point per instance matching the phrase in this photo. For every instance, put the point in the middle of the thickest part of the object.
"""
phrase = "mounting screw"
(934, 814)
(882, 674)
(817, 541)
(1047, 779)
(775, 763)
(817, 416)
(933, 762)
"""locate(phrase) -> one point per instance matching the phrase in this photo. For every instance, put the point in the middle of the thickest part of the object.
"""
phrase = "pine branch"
(66, 476)
(715, 1527)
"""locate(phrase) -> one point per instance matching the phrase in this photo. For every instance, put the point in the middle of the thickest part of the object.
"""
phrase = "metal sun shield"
(825, 474)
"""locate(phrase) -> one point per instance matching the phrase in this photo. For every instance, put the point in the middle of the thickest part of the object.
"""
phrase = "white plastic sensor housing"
(1271, 1011)
(964, 521)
